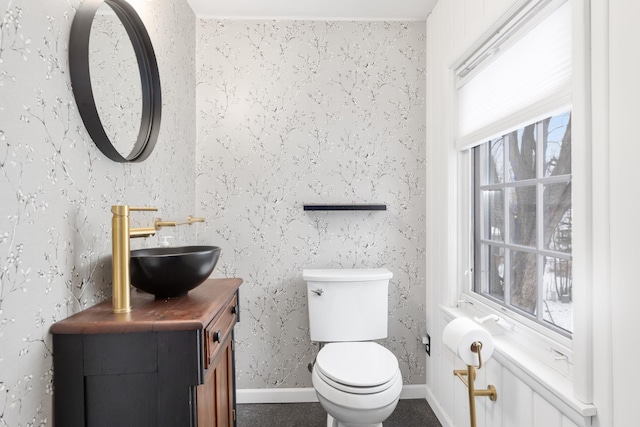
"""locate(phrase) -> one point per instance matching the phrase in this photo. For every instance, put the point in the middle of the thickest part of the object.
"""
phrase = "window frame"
(479, 284)
(540, 341)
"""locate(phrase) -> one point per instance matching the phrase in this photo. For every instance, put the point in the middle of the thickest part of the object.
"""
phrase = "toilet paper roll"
(460, 333)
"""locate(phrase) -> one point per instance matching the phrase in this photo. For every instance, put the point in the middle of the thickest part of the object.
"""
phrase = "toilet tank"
(347, 304)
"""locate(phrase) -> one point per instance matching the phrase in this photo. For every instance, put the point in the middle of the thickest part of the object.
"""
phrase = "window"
(522, 221)
(514, 95)
(522, 86)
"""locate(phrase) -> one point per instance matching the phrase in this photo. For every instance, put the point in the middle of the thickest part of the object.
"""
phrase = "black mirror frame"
(149, 75)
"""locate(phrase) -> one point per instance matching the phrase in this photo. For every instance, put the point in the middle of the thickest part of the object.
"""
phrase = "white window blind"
(524, 82)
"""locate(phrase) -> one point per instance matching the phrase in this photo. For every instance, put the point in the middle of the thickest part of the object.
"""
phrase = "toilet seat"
(355, 389)
(332, 396)
(357, 367)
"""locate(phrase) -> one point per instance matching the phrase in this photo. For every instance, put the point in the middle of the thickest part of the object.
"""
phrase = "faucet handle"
(123, 210)
(191, 219)
(142, 208)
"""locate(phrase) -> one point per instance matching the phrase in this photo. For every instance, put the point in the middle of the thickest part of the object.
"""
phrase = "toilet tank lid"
(346, 274)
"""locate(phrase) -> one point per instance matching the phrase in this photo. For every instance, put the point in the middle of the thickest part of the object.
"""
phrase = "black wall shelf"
(345, 207)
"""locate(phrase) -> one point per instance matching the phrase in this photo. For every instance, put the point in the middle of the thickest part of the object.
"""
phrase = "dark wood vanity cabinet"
(217, 388)
(167, 363)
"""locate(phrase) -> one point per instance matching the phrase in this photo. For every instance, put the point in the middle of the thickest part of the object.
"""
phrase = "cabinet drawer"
(217, 331)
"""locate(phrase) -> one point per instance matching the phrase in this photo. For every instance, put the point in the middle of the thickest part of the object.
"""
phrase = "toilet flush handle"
(317, 291)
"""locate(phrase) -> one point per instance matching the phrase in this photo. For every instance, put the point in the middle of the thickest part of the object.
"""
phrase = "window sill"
(548, 382)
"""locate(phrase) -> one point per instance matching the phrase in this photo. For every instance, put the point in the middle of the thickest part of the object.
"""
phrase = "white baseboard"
(276, 395)
(299, 395)
(416, 391)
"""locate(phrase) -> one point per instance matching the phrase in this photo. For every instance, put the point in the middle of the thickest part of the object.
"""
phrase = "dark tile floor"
(408, 413)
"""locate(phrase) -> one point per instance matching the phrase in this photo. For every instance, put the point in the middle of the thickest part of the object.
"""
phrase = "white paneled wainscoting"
(521, 405)
(530, 393)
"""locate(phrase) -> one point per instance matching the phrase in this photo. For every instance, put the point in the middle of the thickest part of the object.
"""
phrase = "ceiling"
(370, 10)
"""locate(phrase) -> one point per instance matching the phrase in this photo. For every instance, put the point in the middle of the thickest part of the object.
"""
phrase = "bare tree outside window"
(523, 221)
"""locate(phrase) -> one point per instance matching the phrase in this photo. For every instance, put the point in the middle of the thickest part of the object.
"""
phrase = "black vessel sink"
(173, 271)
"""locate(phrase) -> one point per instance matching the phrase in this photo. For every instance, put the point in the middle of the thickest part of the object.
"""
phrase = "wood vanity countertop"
(190, 312)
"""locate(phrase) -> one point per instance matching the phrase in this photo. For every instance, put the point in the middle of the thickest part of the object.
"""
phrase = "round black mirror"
(83, 90)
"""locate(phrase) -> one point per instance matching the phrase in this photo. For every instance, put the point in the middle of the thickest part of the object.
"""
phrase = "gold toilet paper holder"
(468, 377)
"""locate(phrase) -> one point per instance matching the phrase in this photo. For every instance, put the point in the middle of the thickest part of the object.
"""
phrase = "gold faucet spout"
(158, 223)
(121, 232)
(142, 232)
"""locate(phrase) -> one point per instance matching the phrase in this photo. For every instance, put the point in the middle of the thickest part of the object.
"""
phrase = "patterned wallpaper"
(56, 188)
(287, 113)
(301, 112)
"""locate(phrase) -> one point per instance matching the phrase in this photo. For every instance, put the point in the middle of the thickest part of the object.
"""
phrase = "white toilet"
(357, 381)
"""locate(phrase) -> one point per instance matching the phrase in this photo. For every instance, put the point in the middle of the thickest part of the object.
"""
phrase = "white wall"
(607, 92)
(624, 110)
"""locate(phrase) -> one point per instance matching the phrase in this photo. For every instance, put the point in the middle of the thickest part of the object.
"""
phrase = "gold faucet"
(190, 220)
(121, 232)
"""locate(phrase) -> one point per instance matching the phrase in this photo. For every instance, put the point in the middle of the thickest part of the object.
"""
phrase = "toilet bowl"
(357, 381)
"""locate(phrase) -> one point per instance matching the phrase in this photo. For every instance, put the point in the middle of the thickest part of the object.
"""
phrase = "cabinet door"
(215, 396)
